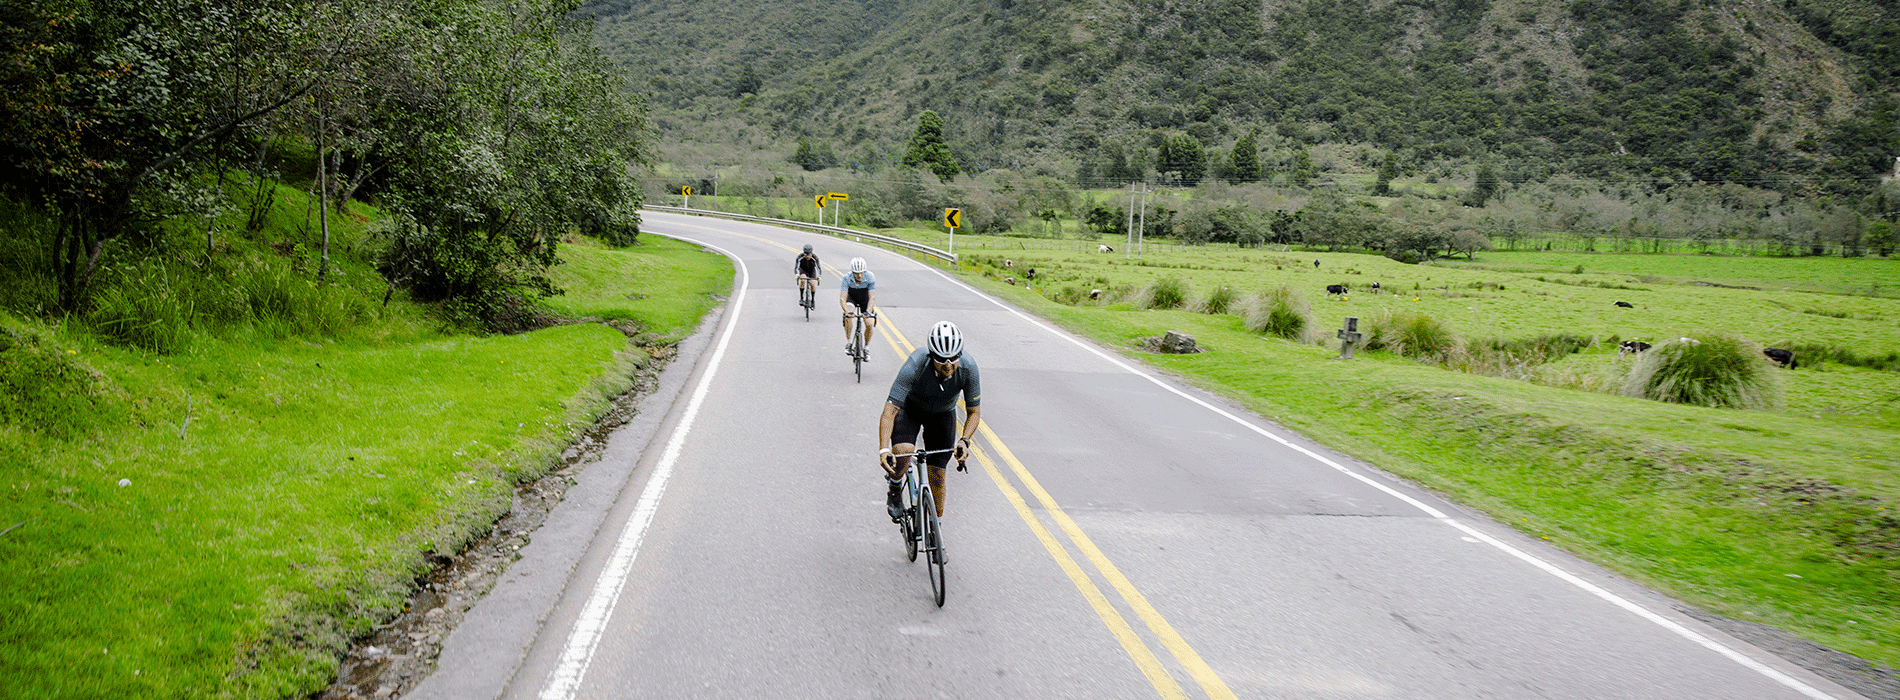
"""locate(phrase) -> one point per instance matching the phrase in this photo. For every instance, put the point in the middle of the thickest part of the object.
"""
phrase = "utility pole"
(1141, 237)
(1128, 242)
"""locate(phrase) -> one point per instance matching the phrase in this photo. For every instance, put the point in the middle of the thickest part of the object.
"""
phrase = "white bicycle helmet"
(857, 265)
(945, 343)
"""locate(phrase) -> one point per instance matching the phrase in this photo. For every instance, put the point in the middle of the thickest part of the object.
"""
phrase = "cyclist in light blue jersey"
(858, 292)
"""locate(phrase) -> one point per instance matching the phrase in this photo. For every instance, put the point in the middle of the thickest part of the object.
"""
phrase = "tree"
(927, 148)
(1484, 189)
(1387, 170)
(813, 154)
(1303, 172)
(1880, 237)
(1182, 155)
(113, 107)
(1244, 162)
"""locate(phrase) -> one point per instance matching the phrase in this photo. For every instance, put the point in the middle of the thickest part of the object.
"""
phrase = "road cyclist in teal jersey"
(923, 402)
(856, 295)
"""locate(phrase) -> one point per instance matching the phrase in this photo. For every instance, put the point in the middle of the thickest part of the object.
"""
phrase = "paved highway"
(1120, 535)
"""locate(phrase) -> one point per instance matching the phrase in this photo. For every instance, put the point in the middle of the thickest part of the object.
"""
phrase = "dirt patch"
(402, 652)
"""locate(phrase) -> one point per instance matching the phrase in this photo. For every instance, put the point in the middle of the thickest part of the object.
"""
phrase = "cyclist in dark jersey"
(858, 292)
(923, 399)
(805, 268)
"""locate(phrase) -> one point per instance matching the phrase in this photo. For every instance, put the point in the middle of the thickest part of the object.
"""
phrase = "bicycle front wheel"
(911, 514)
(933, 545)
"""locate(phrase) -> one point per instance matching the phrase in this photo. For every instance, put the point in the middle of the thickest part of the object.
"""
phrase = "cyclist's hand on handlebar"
(961, 453)
(888, 461)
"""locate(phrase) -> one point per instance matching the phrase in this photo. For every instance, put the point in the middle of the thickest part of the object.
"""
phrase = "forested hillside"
(1795, 96)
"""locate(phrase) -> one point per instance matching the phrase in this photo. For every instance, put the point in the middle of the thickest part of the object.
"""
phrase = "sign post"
(820, 199)
(686, 197)
(835, 213)
(953, 218)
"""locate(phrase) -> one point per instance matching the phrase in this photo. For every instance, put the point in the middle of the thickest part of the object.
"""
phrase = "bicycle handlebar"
(962, 464)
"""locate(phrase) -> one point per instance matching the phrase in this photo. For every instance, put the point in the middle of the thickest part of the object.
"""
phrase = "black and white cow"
(1631, 346)
(1626, 305)
(1781, 357)
(1336, 289)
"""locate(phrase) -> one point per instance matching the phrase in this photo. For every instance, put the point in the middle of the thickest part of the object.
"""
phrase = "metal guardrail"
(821, 228)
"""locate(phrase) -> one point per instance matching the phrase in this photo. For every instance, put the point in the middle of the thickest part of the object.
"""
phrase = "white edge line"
(565, 680)
(1552, 569)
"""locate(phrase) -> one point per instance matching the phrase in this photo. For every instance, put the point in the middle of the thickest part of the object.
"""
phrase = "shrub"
(1279, 312)
(1219, 301)
(1718, 371)
(1412, 335)
(1164, 293)
(1518, 358)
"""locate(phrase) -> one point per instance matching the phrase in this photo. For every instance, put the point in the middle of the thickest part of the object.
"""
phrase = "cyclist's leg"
(903, 444)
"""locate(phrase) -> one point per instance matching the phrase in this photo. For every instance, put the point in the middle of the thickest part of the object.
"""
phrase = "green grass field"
(230, 517)
(1783, 516)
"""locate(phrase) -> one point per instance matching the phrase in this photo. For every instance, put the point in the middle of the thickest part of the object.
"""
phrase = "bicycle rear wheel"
(933, 544)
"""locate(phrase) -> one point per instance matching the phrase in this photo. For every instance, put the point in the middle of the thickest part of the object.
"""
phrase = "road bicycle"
(919, 525)
(857, 351)
(808, 295)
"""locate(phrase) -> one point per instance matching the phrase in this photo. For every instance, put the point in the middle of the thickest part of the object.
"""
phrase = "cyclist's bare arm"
(886, 458)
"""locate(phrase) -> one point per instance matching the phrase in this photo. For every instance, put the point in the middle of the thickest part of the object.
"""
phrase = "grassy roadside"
(220, 521)
(1783, 516)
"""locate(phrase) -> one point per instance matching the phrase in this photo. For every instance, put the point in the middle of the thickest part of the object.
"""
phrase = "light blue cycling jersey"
(870, 282)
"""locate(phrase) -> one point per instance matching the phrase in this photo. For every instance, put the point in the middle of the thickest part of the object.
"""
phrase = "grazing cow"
(1095, 294)
(1104, 249)
(1316, 263)
(1336, 289)
(1781, 357)
(1009, 263)
(1375, 287)
(1626, 305)
(1031, 274)
(1632, 346)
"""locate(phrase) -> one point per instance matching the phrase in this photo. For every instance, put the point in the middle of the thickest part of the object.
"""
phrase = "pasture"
(1783, 516)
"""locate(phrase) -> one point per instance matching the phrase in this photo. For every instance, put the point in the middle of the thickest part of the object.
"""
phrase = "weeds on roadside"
(1219, 301)
(1163, 293)
(1413, 335)
(1280, 312)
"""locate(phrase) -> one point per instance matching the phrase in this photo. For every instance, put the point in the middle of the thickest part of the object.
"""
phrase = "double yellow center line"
(1144, 658)
(1138, 650)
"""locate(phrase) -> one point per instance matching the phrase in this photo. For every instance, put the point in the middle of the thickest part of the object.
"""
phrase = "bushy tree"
(1244, 163)
(927, 149)
(813, 154)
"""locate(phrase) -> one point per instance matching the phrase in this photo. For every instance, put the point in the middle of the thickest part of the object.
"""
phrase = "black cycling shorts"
(939, 431)
(858, 296)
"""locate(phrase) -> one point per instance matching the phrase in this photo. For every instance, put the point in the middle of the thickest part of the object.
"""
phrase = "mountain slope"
(1794, 95)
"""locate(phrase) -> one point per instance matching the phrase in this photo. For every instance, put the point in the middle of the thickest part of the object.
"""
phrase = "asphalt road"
(1119, 536)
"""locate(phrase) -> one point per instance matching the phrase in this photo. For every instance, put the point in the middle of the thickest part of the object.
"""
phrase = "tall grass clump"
(1833, 352)
(1219, 301)
(1280, 312)
(1412, 335)
(1164, 293)
(1518, 358)
(1718, 371)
